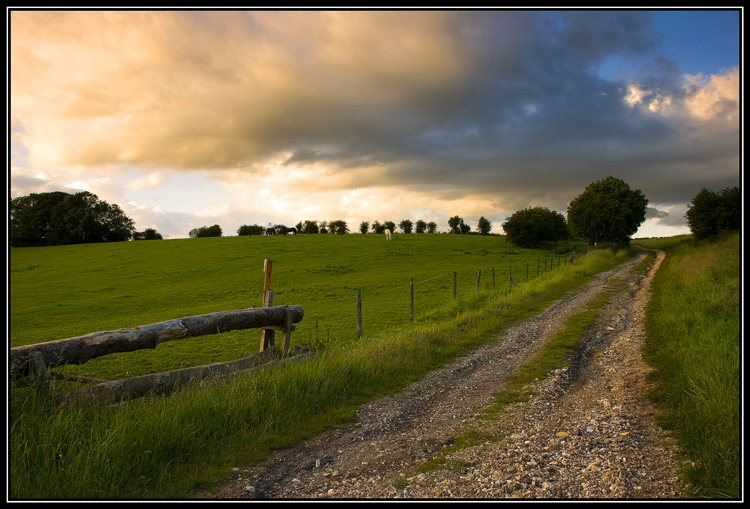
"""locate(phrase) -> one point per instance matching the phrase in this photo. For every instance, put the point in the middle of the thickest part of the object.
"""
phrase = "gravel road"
(589, 431)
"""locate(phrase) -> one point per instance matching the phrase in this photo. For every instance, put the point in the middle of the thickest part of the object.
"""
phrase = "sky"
(193, 118)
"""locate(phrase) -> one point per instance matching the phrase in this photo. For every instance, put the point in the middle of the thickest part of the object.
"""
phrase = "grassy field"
(164, 447)
(694, 326)
(67, 291)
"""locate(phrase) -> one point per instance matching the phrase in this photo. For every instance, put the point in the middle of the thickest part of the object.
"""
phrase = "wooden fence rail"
(34, 360)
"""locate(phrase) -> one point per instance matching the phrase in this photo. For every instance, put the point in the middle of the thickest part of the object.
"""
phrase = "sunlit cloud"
(149, 180)
(358, 115)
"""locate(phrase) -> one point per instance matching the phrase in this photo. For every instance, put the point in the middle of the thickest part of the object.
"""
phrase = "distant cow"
(388, 234)
(292, 231)
(270, 231)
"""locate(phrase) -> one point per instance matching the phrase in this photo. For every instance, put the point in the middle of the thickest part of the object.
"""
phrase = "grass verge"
(693, 325)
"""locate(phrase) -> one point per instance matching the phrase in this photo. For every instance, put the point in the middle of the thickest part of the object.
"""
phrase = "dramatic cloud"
(363, 115)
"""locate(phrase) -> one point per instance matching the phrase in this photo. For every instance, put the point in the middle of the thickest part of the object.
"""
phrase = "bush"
(206, 231)
(250, 229)
(147, 234)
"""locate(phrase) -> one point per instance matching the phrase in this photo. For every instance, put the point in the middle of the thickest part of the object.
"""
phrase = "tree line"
(607, 211)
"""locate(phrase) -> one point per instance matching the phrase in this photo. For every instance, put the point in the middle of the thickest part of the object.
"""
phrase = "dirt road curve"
(588, 432)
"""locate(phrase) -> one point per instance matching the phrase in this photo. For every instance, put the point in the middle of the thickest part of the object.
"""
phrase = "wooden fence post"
(479, 275)
(454, 286)
(493, 278)
(359, 313)
(267, 336)
(287, 331)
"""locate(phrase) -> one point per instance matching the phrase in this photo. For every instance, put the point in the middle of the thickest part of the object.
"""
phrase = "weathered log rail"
(32, 362)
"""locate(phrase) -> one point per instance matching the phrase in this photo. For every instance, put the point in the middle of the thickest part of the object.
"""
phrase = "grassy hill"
(66, 291)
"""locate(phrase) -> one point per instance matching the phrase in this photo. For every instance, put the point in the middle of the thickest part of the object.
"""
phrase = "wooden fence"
(31, 364)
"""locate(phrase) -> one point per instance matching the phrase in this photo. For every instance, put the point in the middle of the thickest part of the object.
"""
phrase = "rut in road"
(396, 433)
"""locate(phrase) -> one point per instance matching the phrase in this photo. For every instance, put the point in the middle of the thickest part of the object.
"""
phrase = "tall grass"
(693, 324)
(166, 446)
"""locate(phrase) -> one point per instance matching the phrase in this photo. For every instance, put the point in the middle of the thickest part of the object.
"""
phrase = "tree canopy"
(250, 229)
(57, 218)
(406, 226)
(534, 225)
(457, 225)
(710, 213)
(147, 234)
(484, 226)
(206, 231)
(607, 211)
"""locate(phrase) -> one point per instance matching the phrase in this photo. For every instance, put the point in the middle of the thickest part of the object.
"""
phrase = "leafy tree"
(431, 227)
(308, 227)
(531, 226)
(364, 227)
(389, 225)
(710, 213)
(147, 234)
(484, 226)
(206, 231)
(457, 225)
(421, 226)
(250, 229)
(377, 227)
(48, 219)
(406, 226)
(338, 227)
(607, 211)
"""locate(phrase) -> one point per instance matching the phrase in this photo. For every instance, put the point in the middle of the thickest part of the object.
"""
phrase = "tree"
(206, 231)
(406, 226)
(484, 226)
(421, 226)
(57, 218)
(377, 227)
(532, 226)
(364, 227)
(389, 225)
(250, 229)
(147, 234)
(710, 213)
(308, 227)
(338, 227)
(431, 227)
(607, 211)
(457, 225)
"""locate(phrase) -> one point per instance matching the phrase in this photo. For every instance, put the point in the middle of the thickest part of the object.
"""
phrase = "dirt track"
(588, 432)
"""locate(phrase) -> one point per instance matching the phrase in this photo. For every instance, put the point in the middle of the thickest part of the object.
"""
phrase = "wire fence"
(391, 305)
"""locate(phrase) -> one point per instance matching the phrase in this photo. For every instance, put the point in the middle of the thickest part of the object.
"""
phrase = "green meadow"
(66, 291)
